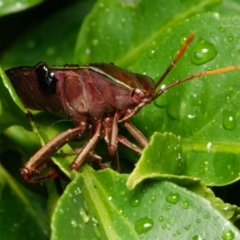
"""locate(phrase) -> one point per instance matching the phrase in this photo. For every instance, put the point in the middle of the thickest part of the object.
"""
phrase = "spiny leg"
(111, 138)
(124, 141)
(140, 138)
(35, 162)
(84, 153)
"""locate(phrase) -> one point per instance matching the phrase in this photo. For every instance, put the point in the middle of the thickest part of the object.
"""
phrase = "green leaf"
(13, 6)
(22, 212)
(204, 112)
(52, 40)
(9, 109)
(161, 159)
(98, 205)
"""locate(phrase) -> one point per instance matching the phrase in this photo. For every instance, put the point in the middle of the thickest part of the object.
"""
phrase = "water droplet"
(85, 217)
(168, 208)
(151, 53)
(183, 39)
(95, 42)
(172, 198)
(164, 226)
(229, 120)
(197, 237)
(187, 227)
(122, 193)
(203, 52)
(120, 210)
(153, 198)
(143, 225)
(206, 216)
(227, 99)
(74, 223)
(161, 101)
(227, 235)
(110, 198)
(173, 109)
(117, 179)
(230, 39)
(198, 220)
(178, 232)
(160, 218)
(185, 204)
(222, 29)
(135, 202)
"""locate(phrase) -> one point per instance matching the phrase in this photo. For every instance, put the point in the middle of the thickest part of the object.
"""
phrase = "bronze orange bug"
(97, 97)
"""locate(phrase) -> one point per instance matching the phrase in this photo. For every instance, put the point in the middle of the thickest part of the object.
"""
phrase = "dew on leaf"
(173, 198)
(197, 237)
(185, 204)
(143, 225)
(168, 208)
(183, 39)
(160, 218)
(227, 99)
(95, 42)
(122, 193)
(229, 120)
(178, 232)
(227, 235)
(198, 220)
(161, 101)
(153, 198)
(164, 226)
(151, 53)
(222, 29)
(74, 223)
(230, 39)
(187, 227)
(203, 52)
(85, 217)
(135, 202)
(172, 109)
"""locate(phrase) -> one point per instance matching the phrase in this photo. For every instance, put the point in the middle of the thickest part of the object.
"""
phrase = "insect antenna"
(196, 75)
(175, 60)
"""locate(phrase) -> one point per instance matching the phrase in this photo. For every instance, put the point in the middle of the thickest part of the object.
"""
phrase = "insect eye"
(46, 79)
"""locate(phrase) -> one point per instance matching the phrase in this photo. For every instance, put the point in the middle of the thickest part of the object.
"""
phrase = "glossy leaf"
(51, 41)
(13, 6)
(9, 109)
(161, 159)
(21, 209)
(98, 205)
(198, 111)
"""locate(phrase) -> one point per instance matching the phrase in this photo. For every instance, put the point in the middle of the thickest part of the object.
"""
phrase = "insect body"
(97, 97)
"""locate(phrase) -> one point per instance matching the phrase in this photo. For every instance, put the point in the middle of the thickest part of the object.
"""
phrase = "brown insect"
(97, 97)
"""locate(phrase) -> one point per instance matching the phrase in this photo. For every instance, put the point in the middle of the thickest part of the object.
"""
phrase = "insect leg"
(84, 153)
(35, 162)
(141, 139)
(111, 138)
(124, 141)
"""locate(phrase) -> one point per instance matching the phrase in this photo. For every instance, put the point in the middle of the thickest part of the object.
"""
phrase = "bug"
(97, 97)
